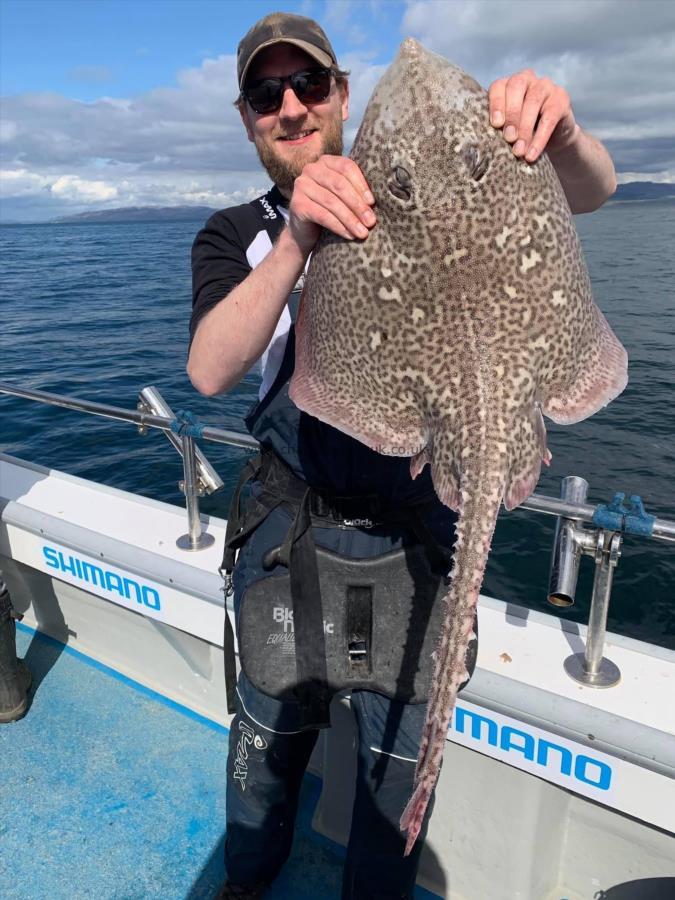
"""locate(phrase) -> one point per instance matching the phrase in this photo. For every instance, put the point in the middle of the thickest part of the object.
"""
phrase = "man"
(246, 264)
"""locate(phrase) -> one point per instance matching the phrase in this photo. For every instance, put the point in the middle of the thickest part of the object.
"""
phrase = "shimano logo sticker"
(100, 577)
(526, 747)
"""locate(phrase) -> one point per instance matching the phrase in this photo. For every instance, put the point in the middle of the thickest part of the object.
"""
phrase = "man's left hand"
(535, 113)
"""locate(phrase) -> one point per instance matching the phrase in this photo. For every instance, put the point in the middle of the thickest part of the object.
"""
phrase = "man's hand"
(330, 193)
(535, 113)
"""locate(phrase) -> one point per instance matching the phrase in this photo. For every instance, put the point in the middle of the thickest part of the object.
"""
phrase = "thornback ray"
(444, 336)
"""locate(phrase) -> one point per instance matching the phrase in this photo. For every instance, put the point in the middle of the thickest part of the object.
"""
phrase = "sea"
(99, 311)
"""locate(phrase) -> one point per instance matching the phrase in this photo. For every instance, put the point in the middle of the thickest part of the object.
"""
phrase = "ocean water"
(98, 311)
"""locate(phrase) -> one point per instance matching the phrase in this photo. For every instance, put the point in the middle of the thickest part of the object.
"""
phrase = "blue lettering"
(591, 771)
(526, 747)
(565, 756)
(150, 597)
(67, 566)
(93, 574)
(50, 557)
(110, 581)
(128, 583)
(580, 765)
(113, 582)
(476, 722)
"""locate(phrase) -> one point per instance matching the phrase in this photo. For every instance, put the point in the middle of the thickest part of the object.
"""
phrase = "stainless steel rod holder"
(195, 539)
(591, 668)
(150, 400)
(567, 546)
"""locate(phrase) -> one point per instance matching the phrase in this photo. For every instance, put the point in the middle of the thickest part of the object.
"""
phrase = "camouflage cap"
(283, 28)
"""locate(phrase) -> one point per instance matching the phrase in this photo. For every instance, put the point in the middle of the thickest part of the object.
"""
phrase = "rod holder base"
(607, 676)
(204, 541)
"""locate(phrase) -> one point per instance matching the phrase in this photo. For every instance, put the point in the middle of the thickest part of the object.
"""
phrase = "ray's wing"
(350, 372)
(527, 451)
(592, 374)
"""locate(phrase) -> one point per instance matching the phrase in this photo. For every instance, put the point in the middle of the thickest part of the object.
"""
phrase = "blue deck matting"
(108, 791)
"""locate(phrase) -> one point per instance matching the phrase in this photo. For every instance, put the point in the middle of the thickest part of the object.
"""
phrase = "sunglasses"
(309, 85)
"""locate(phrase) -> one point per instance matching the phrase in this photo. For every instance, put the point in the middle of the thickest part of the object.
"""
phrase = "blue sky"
(137, 45)
(128, 102)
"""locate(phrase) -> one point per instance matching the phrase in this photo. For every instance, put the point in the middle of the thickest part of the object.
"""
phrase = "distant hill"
(644, 190)
(141, 214)
(634, 190)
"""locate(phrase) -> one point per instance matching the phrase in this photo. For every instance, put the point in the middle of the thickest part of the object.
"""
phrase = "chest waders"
(329, 623)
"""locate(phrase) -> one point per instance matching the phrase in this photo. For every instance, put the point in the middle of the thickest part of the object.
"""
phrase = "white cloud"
(482, 31)
(169, 146)
(362, 79)
(665, 177)
(71, 187)
(192, 124)
(616, 59)
(186, 144)
(29, 195)
(21, 183)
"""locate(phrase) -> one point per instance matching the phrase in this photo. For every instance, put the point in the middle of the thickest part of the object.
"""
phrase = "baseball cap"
(283, 28)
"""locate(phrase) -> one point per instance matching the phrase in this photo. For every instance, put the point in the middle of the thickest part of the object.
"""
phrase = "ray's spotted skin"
(444, 335)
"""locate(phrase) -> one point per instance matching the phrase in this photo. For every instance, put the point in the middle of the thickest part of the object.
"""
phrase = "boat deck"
(109, 790)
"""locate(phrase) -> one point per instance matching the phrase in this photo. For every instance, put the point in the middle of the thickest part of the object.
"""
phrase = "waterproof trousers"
(271, 743)
(264, 774)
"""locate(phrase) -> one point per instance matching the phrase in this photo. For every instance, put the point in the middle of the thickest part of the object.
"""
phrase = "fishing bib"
(330, 623)
(380, 622)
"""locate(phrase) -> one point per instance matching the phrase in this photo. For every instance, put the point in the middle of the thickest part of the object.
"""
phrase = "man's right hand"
(330, 193)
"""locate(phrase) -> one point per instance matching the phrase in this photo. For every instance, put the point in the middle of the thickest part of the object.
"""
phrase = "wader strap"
(235, 526)
(230, 664)
(298, 552)
(236, 532)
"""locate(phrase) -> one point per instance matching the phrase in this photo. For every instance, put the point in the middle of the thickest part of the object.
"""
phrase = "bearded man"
(314, 483)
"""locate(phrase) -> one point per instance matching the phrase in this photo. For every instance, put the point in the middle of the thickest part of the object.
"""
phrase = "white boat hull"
(548, 789)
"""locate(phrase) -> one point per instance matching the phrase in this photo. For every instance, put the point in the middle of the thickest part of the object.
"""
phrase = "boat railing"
(582, 529)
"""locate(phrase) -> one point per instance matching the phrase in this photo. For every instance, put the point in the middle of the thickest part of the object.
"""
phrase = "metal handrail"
(140, 418)
(663, 530)
(195, 539)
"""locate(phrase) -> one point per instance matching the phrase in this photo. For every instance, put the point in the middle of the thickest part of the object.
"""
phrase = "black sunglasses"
(309, 85)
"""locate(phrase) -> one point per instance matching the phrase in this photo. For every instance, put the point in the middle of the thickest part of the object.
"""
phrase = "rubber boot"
(15, 677)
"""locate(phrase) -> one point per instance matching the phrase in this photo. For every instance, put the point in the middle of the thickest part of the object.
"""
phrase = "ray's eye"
(401, 183)
(476, 163)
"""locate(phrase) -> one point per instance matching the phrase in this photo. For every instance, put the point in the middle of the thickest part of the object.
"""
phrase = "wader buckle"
(227, 587)
(359, 628)
(357, 652)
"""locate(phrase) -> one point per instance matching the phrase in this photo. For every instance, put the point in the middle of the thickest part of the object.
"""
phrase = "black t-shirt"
(228, 247)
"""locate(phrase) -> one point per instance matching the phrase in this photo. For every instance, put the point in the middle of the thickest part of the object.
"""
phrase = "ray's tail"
(479, 497)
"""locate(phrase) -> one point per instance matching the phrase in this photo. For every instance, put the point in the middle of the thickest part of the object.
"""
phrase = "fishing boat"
(559, 772)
